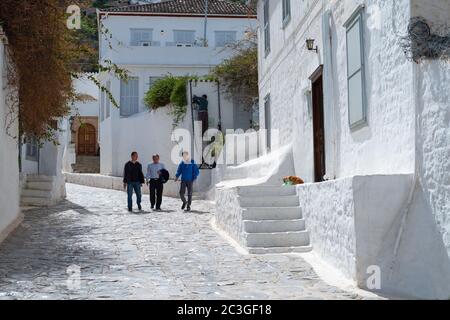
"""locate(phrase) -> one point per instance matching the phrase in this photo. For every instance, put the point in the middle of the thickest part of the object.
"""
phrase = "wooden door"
(318, 125)
(87, 140)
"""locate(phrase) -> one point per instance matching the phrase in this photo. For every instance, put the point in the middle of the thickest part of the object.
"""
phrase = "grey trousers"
(189, 186)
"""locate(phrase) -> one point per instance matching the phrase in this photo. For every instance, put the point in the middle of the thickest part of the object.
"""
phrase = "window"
(152, 80)
(223, 38)
(266, 23)
(129, 97)
(108, 100)
(355, 70)
(286, 12)
(184, 37)
(141, 37)
(32, 149)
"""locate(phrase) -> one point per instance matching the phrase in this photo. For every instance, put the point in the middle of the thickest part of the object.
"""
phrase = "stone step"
(38, 202)
(255, 191)
(269, 201)
(270, 226)
(277, 239)
(39, 178)
(36, 193)
(272, 213)
(47, 186)
(279, 250)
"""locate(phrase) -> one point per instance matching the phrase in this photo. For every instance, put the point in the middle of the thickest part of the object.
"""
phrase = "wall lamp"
(310, 45)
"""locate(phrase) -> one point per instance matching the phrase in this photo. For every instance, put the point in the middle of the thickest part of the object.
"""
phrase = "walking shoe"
(130, 210)
(158, 209)
(183, 206)
(153, 207)
(188, 209)
(140, 208)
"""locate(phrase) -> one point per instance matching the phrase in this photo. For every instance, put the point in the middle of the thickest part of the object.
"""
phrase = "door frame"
(318, 115)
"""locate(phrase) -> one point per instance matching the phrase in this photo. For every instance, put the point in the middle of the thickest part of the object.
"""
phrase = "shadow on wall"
(421, 268)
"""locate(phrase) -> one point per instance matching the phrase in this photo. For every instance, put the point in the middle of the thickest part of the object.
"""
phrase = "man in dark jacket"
(133, 179)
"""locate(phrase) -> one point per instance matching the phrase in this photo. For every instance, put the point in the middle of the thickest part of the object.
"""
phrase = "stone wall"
(433, 111)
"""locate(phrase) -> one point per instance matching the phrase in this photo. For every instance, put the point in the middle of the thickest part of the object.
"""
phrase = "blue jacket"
(188, 172)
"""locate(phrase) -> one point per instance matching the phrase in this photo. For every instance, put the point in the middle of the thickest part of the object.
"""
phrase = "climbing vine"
(43, 56)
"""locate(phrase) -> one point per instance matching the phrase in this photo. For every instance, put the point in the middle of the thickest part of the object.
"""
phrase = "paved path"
(118, 255)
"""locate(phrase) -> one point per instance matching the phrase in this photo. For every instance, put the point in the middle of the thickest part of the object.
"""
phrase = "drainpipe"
(205, 43)
(219, 126)
(192, 116)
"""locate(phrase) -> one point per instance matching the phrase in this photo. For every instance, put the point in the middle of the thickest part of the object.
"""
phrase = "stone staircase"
(272, 220)
(38, 191)
(87, 164)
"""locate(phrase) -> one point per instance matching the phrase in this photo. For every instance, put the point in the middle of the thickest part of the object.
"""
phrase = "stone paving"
(90, 247)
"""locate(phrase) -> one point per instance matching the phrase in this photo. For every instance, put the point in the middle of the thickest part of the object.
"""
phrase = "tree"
(239, 74)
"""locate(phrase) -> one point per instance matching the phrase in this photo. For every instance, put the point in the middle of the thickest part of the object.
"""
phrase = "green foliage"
(239, 74)
(179, 97)
(159, 94)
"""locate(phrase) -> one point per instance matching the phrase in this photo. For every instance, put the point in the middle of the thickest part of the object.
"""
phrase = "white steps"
(270, 201)
(257, 191)
(35, 202)
(272, 213)
(278, 239)
(279, 250)
(38, 191)
(272, 220)
(270, 226)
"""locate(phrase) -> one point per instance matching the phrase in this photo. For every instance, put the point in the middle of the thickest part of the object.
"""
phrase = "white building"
(82, 139)
(356, 112)
(152, 41)
(10, 215)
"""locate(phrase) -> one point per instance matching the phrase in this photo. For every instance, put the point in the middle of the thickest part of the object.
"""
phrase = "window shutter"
(224, 38)
(184, 36)
(129, 97)
(138, 36)
(266, 27)
(355, 71)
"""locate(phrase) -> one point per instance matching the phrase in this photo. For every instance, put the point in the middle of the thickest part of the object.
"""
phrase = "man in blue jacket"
(189, 172)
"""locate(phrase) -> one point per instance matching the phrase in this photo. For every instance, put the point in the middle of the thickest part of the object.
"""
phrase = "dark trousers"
(136, 186)
(189, 186)
(156, 192)
(203, 117)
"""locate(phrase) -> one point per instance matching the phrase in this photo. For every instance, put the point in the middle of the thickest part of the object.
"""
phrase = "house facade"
(155, 40)
(10, 215)
(361, 112)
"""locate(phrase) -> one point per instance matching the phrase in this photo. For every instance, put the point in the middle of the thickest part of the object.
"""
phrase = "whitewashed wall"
(9, 168)
(433, 143)
(386, 145)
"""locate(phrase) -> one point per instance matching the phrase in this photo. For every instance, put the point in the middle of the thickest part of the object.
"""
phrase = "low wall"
(360, 222)
(171, 188)
(229, 213)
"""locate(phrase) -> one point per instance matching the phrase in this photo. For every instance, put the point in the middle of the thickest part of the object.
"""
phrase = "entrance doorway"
(87, 140)
(318, 124)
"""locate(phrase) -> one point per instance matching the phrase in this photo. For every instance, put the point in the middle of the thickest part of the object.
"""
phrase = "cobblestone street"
(166, 255)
